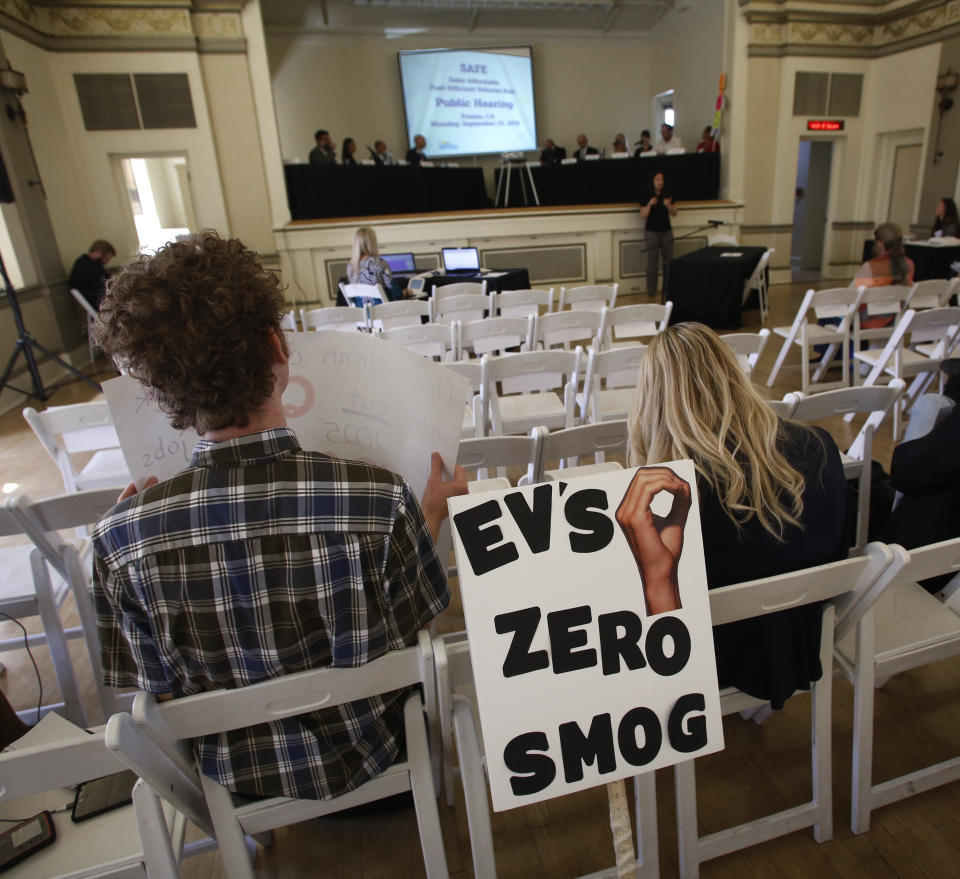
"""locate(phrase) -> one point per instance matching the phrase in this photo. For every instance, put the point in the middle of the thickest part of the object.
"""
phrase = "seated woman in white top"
(365, 266)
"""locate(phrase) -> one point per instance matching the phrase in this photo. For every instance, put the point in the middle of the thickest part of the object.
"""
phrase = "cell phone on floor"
(25, 839)
(103, 794)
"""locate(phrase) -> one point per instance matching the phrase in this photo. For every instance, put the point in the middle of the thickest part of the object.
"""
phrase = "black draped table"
(929, 260)
(707, 285)
(318, 191)
(505, 279)
(690, 177)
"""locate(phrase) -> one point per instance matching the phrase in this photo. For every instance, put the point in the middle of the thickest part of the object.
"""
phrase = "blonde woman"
(365, 266)
(772, 497)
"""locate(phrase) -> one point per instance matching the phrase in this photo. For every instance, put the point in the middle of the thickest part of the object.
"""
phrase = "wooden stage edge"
(493, 213)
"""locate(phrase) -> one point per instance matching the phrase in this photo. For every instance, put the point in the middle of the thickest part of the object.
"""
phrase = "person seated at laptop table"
(365, 266)
(260, 559)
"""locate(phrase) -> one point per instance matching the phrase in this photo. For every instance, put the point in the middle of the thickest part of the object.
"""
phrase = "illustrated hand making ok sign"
(656, 541)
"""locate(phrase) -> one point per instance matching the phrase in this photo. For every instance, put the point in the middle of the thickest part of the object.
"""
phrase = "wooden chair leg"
(474, 790)
(159, 857)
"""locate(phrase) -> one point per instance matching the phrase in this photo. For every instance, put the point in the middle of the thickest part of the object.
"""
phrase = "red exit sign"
(824, 125)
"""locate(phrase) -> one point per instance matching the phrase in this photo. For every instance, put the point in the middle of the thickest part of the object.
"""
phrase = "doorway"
(159, 197)
(810, 208)
(903, 184)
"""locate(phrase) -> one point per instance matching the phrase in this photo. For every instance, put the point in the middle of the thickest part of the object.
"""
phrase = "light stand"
(26, 343)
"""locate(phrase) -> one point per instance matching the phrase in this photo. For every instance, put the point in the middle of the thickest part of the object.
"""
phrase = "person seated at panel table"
(644, 145)
(365, 266)
(668, 140)
(946, 224)
(381, 155)
(620, 143)
(772, 499)
(415, 154)
(708, 143)
(584, 149)
(323, 153)
(552, 154)
(260, 559)
(348, 150)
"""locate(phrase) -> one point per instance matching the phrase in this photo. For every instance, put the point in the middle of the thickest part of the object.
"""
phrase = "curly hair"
(193, 324)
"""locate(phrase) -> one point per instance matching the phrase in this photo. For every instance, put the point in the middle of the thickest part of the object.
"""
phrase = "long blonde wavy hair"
(364, 244)
(693, 401)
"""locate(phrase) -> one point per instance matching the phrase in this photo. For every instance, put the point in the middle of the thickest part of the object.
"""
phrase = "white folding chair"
(469, 306)
(494, 335)
(156, 744)
(466, 288)
(38, 773)
(527, 396)
(591, 297)
(460, 735)
(784, 408)
(474, 416)
(875, 402)
(747, 347)
(401, 313)
(82, 428)
(610, 386)
(289, 321)
(894, 627)
(362, 295)
(480, 455)
(42, 521)
(933, 293)
(758, 281)
(437, 341)
(561, 329)
(342, 318)
(892, 301)
(520, 303)
(92, 317)
(757, 598)
(717, 239)
(626, 324)
(921, 341)
(566, 447)
(837, 303)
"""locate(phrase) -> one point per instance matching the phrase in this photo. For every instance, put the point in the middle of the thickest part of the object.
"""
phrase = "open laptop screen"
(461, 259)
(400, 263)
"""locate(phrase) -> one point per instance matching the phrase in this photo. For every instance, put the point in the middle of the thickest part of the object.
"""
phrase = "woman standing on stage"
(658, 234)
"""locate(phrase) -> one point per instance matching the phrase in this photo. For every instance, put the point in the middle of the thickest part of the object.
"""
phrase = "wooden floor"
(763, 769)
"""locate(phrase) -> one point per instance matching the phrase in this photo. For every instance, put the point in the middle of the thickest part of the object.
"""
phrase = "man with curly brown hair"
(260, 559)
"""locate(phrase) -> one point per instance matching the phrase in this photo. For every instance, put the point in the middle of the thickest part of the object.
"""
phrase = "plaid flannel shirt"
(257, 561)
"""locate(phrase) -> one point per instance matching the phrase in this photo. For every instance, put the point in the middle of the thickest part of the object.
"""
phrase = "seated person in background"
(382, 156)
(946, 224)
(708, 144)
(552, 154)
(669, 140)
(348, 150)
(584, 149)
(644, 145)
(890, 265)
(365, 266)
(415, 154)
(772, 497)
(323, 153)
(926, 469)
(89, 273)
(620, 143)
(260, 559)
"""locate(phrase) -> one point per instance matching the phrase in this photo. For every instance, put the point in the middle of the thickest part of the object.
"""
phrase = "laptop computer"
(460, 260)
(400, 263)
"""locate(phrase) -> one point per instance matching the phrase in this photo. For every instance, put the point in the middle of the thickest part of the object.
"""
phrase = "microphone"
(716, 223)
(373, 153)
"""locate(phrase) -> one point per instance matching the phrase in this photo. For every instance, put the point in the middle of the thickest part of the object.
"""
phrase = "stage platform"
(559, 245)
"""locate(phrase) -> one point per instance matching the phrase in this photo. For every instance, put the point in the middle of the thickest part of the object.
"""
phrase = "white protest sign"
(589, 625)
(349, 395)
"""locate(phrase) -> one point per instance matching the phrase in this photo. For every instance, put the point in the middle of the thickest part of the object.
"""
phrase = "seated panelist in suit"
(644, 145)
(552, 154)
(415, 154)
(381, 155)
(584, 148)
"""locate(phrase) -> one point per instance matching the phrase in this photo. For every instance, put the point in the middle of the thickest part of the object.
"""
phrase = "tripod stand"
(26, 343)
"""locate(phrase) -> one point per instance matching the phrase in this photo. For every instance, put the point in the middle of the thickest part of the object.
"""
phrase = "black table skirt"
(511, 279)
(708, 287)
(690, 177)
(928, 262)
(319, 191)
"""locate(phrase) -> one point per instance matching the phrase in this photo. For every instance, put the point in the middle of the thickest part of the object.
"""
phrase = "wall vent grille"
(550, 263)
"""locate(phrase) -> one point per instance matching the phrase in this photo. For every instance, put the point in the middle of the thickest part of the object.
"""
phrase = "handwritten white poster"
(589, 627)
(349, 395)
